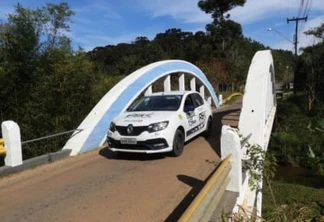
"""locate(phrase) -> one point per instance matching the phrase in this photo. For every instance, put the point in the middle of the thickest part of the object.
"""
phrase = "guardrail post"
(12, 140)
(220, 99)
(231, 144)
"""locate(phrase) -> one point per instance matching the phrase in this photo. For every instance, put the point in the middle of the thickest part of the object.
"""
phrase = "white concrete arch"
(94, 127)
(259, 100)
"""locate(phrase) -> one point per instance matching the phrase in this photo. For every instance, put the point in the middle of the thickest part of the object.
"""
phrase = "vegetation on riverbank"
(293, 203)
(295, 131)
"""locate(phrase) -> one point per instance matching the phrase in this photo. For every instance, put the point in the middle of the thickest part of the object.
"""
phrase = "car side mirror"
(189, 108)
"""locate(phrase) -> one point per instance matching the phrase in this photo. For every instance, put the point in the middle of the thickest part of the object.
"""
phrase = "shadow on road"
(228, 116)
(105, 152)
(196, 185)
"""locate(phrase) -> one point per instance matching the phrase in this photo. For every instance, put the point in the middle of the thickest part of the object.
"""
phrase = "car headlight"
(112, 127)
(154, 127)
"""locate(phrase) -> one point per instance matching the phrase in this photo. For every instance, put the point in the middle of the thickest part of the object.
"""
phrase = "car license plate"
(128, 141)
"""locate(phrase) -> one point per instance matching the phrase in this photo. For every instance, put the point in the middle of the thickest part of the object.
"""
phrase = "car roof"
(171, 93)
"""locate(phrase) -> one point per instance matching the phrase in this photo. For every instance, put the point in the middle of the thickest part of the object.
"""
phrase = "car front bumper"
(145, 143)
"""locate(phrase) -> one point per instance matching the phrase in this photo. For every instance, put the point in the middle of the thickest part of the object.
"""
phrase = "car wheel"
(209, 127)
(178, 143)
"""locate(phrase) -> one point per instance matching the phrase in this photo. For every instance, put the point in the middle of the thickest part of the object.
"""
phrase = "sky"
(109, 22)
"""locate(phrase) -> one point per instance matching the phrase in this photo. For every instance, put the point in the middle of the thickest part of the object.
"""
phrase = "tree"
(219, 7)
(318, 32)
(46, 85)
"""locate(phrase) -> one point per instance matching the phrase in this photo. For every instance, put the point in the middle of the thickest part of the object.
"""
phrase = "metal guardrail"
(2, 149)
(245, 140)
(51, 136)
(231, 96)
(204, 204)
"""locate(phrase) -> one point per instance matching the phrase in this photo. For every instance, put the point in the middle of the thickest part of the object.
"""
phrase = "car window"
(158, 103)
(189, 101)
(197, 99)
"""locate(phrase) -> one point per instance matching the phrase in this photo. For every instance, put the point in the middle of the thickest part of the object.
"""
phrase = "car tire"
(178, 143)
(209, 127)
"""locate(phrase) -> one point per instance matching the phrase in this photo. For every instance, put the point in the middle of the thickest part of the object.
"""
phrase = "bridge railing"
(204, 204)
(14, 145)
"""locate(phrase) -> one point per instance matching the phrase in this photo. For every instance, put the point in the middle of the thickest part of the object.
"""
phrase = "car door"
(192, 117)
(200, 109)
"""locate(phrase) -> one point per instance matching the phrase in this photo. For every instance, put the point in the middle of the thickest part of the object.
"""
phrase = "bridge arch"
(94, 127)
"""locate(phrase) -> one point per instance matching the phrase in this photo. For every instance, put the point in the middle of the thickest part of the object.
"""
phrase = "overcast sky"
(104, 22)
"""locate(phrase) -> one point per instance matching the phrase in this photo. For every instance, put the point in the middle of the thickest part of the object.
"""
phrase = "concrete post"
(182, 82)
(202, 91)
(193, 84)
(167, 84)
(231, 144)
(148, 91)
(12, 140)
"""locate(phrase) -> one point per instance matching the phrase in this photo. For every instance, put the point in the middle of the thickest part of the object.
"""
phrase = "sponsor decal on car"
(137, 115)
(133, 120)
(202, 117)
(191, 119)
(195, 129)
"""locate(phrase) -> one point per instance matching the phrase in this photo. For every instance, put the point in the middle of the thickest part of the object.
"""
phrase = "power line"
(301, 7)
(305, 14)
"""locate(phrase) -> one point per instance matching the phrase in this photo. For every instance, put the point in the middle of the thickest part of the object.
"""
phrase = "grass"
(294, 203)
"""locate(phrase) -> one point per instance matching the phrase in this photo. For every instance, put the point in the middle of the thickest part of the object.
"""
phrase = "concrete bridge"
(97, 185)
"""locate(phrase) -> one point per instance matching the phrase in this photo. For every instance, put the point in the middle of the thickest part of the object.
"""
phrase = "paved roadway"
(100, 186)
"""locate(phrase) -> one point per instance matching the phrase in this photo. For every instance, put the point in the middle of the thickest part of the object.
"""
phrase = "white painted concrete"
(193, 84)
(231, 144)
(167, 84)
(257, 116)
(202, 91)
(182, 82)
(259, 97)
(94, 127)
(148, 91)
(12, 140)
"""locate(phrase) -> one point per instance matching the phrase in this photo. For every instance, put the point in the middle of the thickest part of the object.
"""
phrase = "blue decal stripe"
(100, 130)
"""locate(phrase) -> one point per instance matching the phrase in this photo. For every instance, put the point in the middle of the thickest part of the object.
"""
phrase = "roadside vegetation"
(293, 203)
(297, 140)
(48, 87)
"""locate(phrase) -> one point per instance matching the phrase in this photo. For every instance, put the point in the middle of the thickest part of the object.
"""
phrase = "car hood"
(142, 118)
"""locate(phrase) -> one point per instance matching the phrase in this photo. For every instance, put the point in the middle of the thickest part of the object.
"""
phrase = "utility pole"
(296, 20)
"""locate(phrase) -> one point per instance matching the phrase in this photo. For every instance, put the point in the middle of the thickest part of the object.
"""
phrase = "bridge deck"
(100, 186)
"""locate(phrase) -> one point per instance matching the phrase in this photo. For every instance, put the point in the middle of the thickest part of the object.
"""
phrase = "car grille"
(137, 130)
(141, 145)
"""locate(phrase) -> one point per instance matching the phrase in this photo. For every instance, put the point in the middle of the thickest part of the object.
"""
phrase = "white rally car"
(160, 122)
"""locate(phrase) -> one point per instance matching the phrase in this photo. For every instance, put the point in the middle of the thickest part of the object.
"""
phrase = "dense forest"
(49, 87)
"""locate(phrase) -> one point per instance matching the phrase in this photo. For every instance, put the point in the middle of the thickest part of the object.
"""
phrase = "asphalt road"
(101, 186)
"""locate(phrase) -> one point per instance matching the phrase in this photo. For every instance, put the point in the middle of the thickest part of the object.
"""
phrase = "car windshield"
(157, 103)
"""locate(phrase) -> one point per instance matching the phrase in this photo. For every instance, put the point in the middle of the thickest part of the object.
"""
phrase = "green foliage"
(217, 8)
(294, 131)
(46, 86)
(261, 166)
(294, 203)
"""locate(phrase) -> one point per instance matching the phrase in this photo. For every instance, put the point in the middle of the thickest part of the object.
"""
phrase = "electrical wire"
(306, 13)
(300, 8)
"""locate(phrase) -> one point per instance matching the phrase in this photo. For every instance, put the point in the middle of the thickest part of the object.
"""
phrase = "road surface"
(101, 186)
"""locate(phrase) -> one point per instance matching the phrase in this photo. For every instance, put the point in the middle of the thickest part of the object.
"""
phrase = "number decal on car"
(202, 117)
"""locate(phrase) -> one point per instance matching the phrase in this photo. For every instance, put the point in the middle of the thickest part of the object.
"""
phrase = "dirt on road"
(101, 186)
